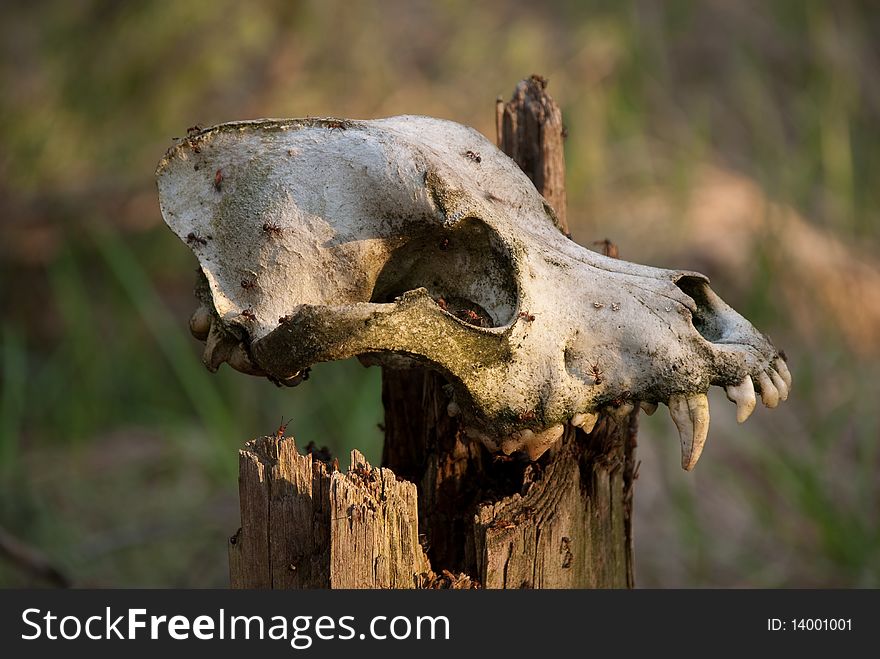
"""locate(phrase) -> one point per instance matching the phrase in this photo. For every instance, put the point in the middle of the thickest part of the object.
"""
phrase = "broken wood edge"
(529, 129)
(306, 526)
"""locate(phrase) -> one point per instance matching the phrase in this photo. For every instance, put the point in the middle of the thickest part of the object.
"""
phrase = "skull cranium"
(414, 241)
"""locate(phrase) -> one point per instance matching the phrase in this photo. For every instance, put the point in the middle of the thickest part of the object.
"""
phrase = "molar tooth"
(586, 421)
(690, 413)
(622, 411)
(200, 323)
(782, 368)
(648, 408)
(241, 362)
(479, 436)
(743, 394)
(515, 441)
(218, 346)
(537, 443)
(769, 393)
(779, 383)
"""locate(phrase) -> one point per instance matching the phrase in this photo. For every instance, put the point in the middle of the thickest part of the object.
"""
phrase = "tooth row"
(773, 384)
(690, 413)
(535, 444)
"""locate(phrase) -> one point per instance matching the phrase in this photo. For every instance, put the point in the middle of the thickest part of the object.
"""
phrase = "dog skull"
(414, 241)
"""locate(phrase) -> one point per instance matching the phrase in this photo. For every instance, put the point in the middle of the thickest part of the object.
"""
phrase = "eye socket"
(707, 319)
(465, 268)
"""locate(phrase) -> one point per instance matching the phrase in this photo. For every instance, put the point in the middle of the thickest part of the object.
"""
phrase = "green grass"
(12, 400)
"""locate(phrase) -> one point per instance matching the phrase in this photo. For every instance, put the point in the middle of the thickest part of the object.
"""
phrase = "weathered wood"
(562, 522)
(426, 446)
(283, 541)
(570, 528)
(529, 129)
(577, 523)
(374, 529)
(304, 526)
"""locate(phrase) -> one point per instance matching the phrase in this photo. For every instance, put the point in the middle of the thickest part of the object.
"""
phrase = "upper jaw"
(689, 340)
(768, 379)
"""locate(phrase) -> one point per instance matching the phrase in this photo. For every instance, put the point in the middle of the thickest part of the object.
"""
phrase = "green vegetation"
(117, 447)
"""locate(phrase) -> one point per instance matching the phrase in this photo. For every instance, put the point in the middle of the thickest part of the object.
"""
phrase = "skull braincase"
(415, 241)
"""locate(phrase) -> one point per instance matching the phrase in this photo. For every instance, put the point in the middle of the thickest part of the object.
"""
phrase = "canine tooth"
(648, 408)
(453, 409)
(782, 368)
(779, 383)
(743, 394)
(691, 416)
(769, 393)
(586, 421)
(240, 361)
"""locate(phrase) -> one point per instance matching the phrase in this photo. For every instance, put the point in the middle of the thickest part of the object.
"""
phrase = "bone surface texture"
(415, 241)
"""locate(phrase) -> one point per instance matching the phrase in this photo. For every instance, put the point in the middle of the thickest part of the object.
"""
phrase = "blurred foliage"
(118, 449)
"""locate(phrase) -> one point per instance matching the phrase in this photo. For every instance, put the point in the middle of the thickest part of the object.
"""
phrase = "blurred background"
(739, 139)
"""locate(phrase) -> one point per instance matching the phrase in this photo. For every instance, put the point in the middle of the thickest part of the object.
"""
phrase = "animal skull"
(415, 241)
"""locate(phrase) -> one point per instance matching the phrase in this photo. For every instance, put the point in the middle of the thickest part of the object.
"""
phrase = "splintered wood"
(374, 529)
(303, 526)
(529, 129)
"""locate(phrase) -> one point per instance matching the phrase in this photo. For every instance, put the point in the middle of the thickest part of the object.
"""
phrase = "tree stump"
(462, 517)
(307, 525)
